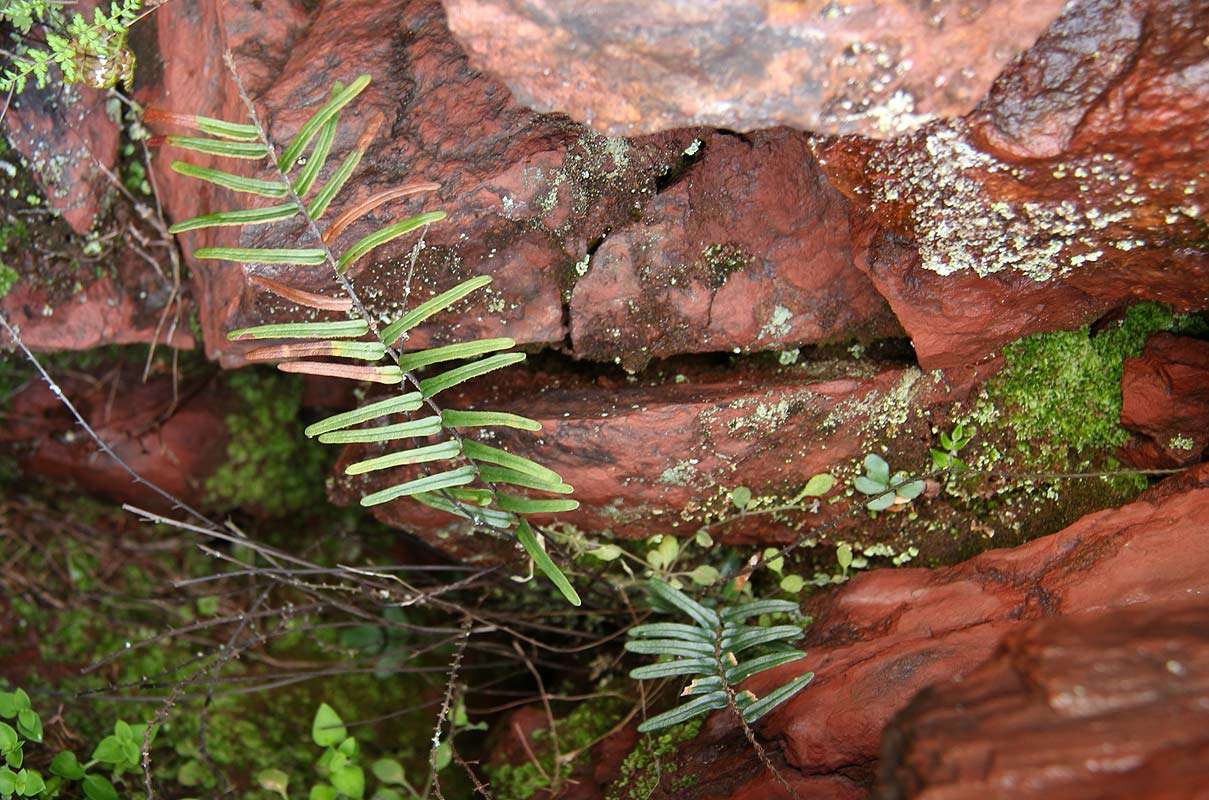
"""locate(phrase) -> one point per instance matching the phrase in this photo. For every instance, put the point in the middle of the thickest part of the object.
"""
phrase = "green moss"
(643, 769)
(271, 466)
(576, 732)
(1065, 387)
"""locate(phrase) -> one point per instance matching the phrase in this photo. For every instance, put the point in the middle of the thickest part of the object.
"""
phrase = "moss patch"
(1065, 387)
(271, 466)
(645, 767)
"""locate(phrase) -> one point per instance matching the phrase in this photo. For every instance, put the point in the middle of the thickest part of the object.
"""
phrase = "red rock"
(749, 249)
(888, 634)
(124, 304)
(658, 453)
(1077, 186)
(1107, 705)
(513, 737)
(69, 142)
(590, 781)
(1165, 399)
(526, 194)
(874, 67)
(174, 446)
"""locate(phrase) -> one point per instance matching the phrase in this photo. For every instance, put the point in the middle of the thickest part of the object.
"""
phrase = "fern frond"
(453, 352)
(389, 375)
(477, 451)
(442, 451)
(301, 297)
(486, 516)
(511, 476)
(488, 419)
(525, 505)
(240, 217)
(453, 490)
(412, 429)
(429, 483)
(525, 535)
(431, 387)
(387, 234)
(324, 197)
(220, 147)
(293, 151)
(709, 649)
(301, 256)
(364, 351)
(318, 157)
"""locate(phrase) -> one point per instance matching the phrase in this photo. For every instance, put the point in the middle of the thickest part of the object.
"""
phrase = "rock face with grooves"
(1109, 705)
(1079, 185)
(747, 248)
(871, 67)
(888, 634)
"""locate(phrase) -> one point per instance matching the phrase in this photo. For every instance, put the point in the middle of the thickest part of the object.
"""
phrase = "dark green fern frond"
(708, 651)
(465, 471)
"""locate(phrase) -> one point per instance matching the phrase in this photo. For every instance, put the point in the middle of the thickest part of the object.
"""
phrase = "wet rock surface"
(887, 635)
(1165, 399)
(1077, 186)
(581, 233)
(67, 137)
(659, 453)
(1108, 705)
(875, 67)
(175, 437)
(748, 248)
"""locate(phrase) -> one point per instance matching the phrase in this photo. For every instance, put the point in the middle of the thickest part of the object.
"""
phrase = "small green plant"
(950, 445)
(342, 775)
(92, 52)
(887, 490)
(709, 649)
(118, 753)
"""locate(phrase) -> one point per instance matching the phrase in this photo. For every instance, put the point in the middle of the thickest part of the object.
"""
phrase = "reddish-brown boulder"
(526, 194)
(58, 306)
(658, 453)
(882, 638)
(174, 437)
(574, 227)
(874, 67)
(749, 249)
(514, 737)
(1076, 187)
(1165, 399)
(68, 141)
(1109, 705)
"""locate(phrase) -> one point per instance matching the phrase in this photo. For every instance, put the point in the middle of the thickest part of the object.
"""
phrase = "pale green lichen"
(880, 412)
(680, 474)
(1181, 442)
(777, 326)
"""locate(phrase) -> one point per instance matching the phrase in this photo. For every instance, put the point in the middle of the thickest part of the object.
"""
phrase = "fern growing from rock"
(708, 650)
(467, 474)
